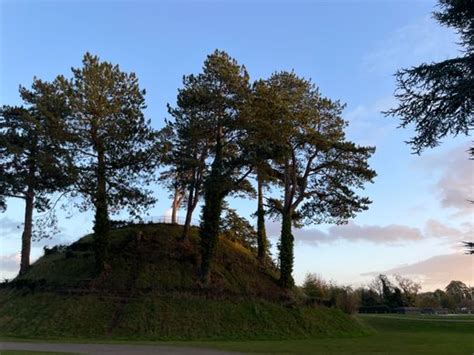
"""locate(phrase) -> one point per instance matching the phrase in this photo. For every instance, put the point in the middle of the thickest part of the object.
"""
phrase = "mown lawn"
(398, 334)
(393, 334)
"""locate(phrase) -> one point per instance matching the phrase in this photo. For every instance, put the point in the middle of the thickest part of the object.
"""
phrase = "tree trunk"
(211, 214)
(210, 231)
(262, 243)
(27, 232)
(177, 199)
(286, 251)
(101, 223)
(192, 202)
(174, 206)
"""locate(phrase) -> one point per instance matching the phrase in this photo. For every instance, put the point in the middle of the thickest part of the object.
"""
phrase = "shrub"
(316, 288)
(345, 299)
(56, 249)
(323, 293)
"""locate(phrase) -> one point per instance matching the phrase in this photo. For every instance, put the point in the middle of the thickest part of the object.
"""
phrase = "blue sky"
(349, 48)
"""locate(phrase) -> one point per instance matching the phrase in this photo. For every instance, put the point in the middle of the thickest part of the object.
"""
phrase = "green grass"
(439, 318)
(392, 335)
(166, 317)
(26, 352)
(402, 335)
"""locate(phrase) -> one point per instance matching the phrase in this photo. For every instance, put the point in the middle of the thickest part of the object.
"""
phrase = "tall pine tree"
(317, 167)
(116, 151)
(260, 143)
(187, 154)
(214, 100)
(33, 160)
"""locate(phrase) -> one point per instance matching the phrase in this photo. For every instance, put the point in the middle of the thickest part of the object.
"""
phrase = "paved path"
(423, 319)
(109, 349)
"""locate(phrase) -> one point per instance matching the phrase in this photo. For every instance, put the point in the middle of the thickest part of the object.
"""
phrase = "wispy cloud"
(367, 123)
(10, 262)
(8, 226)
(423, 41)
(362, 112)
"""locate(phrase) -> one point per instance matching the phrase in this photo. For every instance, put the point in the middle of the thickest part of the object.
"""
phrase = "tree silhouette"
(214, 100)
(438, 98)
(318, 168)
(115, 148)
(469, 247)
(33, 160)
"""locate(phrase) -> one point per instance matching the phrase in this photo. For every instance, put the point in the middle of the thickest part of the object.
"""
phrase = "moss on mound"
(152, 291)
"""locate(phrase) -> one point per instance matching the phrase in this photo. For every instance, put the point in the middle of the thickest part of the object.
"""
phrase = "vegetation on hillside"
(153, 291)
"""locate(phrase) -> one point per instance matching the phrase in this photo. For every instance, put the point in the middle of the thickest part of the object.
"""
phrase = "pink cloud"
(352, 232)
(437, 271)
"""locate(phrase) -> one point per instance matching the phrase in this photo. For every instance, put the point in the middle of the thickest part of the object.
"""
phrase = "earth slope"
(152, 292)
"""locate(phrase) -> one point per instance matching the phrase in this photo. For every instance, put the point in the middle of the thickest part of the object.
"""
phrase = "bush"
(316, 288)
(320, 292)
(345, 299)
(56, 249)
(117, 224)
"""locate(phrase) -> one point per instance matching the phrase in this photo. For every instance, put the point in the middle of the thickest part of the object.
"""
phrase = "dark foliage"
(238, 229)
(438, 98)
(115, 149)
(211, 103)
(33, 160)
(316, 167)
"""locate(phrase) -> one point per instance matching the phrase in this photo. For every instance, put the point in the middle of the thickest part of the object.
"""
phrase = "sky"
(350, 49)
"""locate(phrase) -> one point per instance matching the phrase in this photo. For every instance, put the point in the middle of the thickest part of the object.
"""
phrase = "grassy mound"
(152, 291)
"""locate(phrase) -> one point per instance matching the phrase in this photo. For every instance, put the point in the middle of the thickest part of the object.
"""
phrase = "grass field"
(393, 334)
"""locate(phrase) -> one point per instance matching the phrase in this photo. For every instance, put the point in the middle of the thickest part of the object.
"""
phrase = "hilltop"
(152, 291)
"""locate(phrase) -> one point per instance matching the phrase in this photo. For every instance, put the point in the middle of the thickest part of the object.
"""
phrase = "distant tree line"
(381, 295)
(385, 295)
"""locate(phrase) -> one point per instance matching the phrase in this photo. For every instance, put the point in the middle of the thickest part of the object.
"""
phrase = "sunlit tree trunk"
(193, 198)
(177, 199)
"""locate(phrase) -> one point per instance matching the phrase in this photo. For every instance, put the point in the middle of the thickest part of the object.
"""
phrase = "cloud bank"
(437, 271)
(389, 234)
(353, 232)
